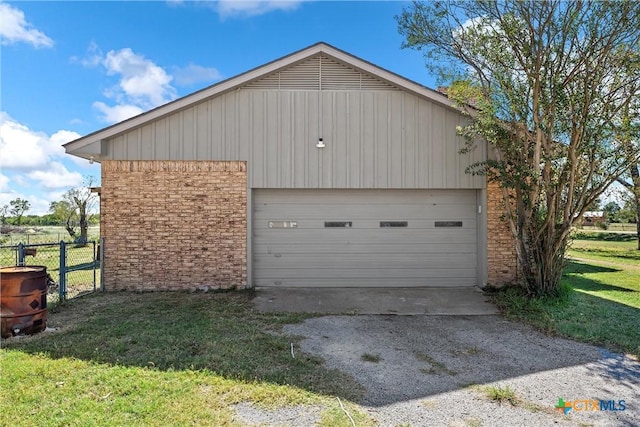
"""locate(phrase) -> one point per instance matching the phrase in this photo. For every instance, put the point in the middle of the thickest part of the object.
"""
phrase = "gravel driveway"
(436, 371)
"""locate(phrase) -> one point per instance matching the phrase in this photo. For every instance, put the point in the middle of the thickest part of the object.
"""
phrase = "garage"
(318, 169)
(364, 238)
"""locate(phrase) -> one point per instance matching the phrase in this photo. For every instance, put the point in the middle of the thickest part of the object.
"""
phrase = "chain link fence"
(73, 269)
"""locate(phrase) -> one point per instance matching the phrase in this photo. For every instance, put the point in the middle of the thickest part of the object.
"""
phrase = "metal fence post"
(62, 282)
(20, 254)
(101, 246)
(94, 265)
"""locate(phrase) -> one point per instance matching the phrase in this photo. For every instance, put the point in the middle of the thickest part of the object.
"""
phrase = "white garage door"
(364, 238)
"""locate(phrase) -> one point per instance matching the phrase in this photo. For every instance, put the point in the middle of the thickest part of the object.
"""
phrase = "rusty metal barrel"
(23, 300)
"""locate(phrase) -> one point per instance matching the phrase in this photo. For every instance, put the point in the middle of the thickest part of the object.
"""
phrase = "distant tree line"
(44, 220)
(621, 214)
(74, 212)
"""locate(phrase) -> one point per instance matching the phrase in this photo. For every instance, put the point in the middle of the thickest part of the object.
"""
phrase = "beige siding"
(374, 139)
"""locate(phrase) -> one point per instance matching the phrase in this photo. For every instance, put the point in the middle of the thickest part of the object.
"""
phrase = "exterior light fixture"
(320, 143)
(91, 160)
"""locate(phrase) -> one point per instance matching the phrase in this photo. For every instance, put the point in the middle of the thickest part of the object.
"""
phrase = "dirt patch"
(302, 415)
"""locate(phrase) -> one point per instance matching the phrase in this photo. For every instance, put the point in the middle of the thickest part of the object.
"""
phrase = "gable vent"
(320, 73)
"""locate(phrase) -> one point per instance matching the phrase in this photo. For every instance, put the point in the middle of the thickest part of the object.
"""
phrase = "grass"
(435, 367)
(501, 394)
(44, 234)
(601, 304)
(610, 251)
(373, 358)
(507, 395)
(466, 352)
(614, 226)
(163, 359)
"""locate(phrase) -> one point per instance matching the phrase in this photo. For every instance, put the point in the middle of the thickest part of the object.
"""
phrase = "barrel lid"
(22, 269)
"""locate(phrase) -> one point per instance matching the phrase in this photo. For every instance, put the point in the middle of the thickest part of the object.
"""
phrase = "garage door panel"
(374, 282)
(366, 248)
(373, 273)
(369, 197)
(365, 237)
(362, 260)
(361, 223)
(330, 212)
(293, 247)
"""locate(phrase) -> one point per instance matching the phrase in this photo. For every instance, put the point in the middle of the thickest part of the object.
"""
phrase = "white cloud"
(21, 180)
(39, 205)
(92, 59)
(116, 113)
(4, 183)
(142, 84)
(32, 167)
(6, 195)
(16, 29)
(192, 74)
(56, 175)
(62, 137)
(24, 149)
(140, 79)
(246, 8)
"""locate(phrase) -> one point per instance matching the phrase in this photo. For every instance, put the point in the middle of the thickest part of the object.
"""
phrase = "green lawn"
(624, 251)
(44, 234)
(614, 226)
(602, 305)
(163, 359)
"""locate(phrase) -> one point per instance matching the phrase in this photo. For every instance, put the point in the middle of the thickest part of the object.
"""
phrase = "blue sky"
(70, 68)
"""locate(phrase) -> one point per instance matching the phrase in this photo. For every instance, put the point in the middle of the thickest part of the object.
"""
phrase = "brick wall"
(172, 225)
(501, 255)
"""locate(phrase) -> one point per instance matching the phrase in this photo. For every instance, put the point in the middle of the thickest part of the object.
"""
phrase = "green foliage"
(611, 210)
(435, 367)
(598, 301)
(18, 208)
(502, 394)
(611, 237)
(4, 210)
(75, 210)
(373, 358)
(164, 359)
(532, 76)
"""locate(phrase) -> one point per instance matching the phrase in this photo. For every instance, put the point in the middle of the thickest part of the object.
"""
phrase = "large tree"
(18, 208)
(3, 214)
(631, 182)
(553, 87)
(75, 209)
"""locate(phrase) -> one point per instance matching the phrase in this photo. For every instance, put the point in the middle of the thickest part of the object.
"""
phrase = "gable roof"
(262, 72)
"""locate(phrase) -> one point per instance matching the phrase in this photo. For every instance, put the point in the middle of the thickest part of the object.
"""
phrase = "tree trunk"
(542, 262)
(638, 219)
(635, 189)
(84, 224)
(70, 229)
